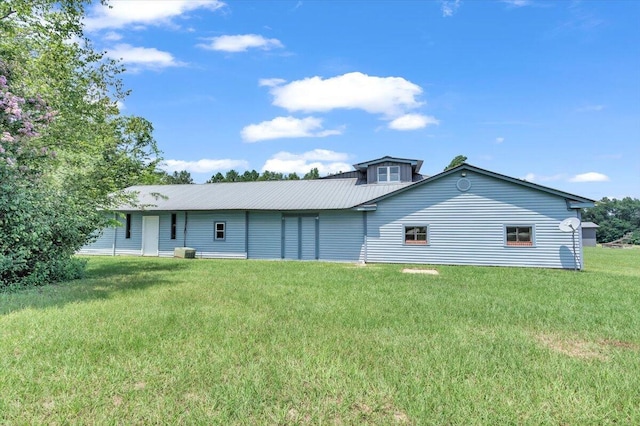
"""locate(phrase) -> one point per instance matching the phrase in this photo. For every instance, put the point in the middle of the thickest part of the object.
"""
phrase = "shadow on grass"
(103, 279)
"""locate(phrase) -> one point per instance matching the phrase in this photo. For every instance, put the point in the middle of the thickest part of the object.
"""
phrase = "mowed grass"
(170, 341)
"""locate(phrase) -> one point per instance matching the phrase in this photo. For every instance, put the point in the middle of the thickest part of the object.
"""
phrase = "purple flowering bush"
(40, 225)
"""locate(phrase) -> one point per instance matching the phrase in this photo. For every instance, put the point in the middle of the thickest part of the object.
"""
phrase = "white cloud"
(499, 139)
(286, 127)
(517, 3)
(391, 96)
(449, 7)
(325, 161)
(591, 108)
(590, 177)
(143, 57)
(121, 14)
(271, 82)
(412, 122)
(204, 165)
(112, 36)
(120, 105)
(531, 177)
(241, 43)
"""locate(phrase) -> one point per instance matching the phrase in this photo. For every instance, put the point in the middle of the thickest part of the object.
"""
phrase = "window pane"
(414, 234)
(382, 174)
(394, 174)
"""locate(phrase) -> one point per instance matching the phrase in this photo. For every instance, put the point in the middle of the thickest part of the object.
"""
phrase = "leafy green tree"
(72, 148)
(312, 174)
(615, 218)
(293, 176)
(457, 160)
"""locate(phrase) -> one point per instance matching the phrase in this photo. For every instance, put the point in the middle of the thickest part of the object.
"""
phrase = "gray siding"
(467, 228)
(589, 237)
(200, 234)
(103, 245)
(291, 237)
(406, 172)
(341, 235)
(265, 235)
(308, 234)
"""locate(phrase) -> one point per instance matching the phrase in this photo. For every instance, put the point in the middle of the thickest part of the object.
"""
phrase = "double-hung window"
(415, 235)
(519, 235)
(389, 174)
(219, 231)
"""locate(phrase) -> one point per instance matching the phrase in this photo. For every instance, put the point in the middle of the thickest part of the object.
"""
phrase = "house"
(382, 211)
(589, 234)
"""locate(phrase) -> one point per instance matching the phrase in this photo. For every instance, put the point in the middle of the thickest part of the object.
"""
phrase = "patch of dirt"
(420, 271)
(117, 400)
(140, 386)
(620, 344)
(577, 348)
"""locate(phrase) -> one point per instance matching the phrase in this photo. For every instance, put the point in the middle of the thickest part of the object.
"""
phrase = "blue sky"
(547, 91)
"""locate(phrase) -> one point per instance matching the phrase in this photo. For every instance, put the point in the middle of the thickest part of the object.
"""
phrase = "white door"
(150, 235)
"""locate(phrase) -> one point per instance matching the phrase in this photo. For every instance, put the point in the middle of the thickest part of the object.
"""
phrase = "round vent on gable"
(463, 184)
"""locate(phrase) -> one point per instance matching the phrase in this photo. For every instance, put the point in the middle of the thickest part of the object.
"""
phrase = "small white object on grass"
(421, 271)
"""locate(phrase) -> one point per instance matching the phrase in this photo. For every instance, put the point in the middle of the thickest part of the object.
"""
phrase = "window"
(519, 236)
(389, 174)
(127, 228)
(173, 225)
(415, 235)
(219, 229)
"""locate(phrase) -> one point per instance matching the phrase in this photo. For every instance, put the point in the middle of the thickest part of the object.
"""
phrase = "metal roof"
(292, 195)
(589, 225)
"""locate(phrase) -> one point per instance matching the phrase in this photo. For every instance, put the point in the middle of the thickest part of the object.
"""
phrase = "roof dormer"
(390, 170)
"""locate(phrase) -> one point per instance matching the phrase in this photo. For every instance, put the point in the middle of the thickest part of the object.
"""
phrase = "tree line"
(615, 218)
(184, 177)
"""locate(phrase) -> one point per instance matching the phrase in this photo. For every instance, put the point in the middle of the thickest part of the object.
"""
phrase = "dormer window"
(389, 174)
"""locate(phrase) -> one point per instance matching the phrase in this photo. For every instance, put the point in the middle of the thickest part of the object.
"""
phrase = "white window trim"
(215, 231)
(388, 170)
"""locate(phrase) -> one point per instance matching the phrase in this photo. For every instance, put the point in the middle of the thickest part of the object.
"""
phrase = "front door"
(150, 235)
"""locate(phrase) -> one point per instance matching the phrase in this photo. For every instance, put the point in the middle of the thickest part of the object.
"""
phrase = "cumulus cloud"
(391, 96)
(142, 57)
(241, 43)
(412, 122)
(286, 127)
(449, 7)
(499, 140)
(204, 165)
(112, 36)
(590, 177)
(324, 160)
(121, 14)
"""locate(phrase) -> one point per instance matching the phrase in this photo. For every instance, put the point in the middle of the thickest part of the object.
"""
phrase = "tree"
(65, 146)
(293, 176)
(178, 178)
(231, 176)
(218, 177)
(615, 218)
(249, 176)
(313, 174)
(457, 160)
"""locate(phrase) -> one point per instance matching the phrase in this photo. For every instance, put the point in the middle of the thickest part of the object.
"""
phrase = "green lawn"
(169, 341)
